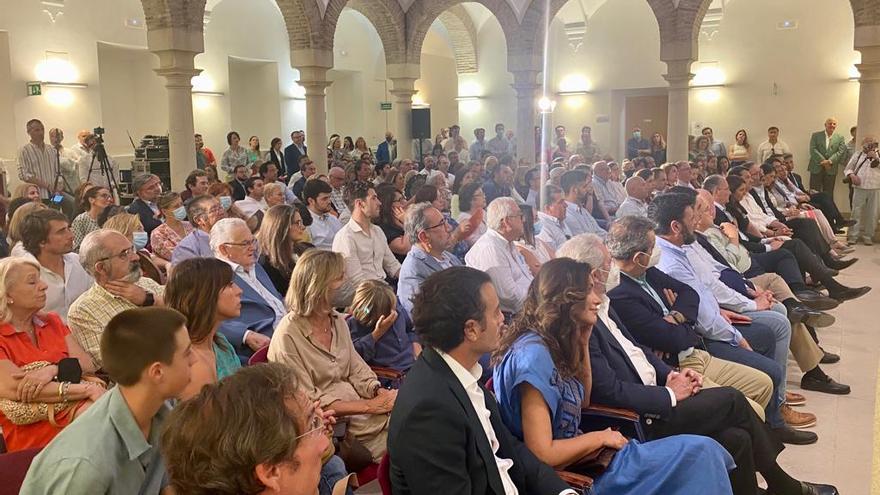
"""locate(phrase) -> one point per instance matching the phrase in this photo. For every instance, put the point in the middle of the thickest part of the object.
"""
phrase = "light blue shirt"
(195, 245)
(580, 221)
(711, 325)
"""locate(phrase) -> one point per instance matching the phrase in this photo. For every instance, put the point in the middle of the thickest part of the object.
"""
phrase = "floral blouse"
(164, 239)
(81, 226)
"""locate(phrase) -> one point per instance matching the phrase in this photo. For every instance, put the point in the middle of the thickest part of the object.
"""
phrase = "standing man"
(827, 151)
(499, 145)
(37, 162)
(863, 172)
(772, 146)
(479, 145)
(637, 145)
(588, 148)
(293, 152)
(204, 156)
(386, 152)
(716, 147)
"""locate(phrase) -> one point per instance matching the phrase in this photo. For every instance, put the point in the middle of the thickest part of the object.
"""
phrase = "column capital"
(403, 79)
(525, 80)
(178, 77)
(678, 72)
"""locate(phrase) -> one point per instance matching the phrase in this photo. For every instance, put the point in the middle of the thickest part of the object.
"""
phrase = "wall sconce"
(546, 105)
(572, 93)
(208, 93)
(468, 98)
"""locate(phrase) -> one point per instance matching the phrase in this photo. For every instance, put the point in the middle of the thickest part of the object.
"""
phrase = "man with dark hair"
(213, 446)
(203, 212)
(499, 146)
(576, 186)
(316, 195)
(254, 201)
(308, 170)
(46, 235)
(295, 151)
(239, 176)
(269, 173)
(196, 184)
(114, 447)
(772, 146)
(362, 243)
(500, 184)
(552, 217)
(146, 189)
(715, 146)
(446, 434)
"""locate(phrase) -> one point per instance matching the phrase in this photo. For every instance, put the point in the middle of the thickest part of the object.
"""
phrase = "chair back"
(150, 269)
(384, 474)
(13, 469)
(261, 356)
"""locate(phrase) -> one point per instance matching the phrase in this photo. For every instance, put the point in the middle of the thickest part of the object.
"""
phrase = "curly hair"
(560, 289)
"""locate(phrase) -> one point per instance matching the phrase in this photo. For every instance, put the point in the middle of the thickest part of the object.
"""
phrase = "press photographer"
(863, 172)
(96, 166)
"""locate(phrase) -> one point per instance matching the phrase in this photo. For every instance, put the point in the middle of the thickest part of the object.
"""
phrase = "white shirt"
(870, 176)
(768, 149)
(500, 259)
(323, 230)
(755, 213)
(469, 380)
(249, 206)
(250, 278)
(632, 207)
(477, 232)
(367, 257)
(580, 221)
(63, 291)
(553, 232)
(431, 174)
(636, 355)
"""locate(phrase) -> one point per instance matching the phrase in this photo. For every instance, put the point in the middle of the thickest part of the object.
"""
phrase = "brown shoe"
(796, 419)
(793, 399)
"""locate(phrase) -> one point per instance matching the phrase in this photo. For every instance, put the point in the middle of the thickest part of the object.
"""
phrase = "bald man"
(827, 152)
(637, 191)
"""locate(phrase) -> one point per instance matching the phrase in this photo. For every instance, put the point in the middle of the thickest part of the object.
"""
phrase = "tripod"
(59, 175)
(104, 166)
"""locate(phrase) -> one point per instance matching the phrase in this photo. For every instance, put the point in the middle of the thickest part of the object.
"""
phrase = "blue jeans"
(331, 472)
(776, 319)
(761, 358)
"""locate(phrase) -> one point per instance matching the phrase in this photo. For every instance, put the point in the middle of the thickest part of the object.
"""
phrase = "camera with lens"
(872, 148)
(99, 134)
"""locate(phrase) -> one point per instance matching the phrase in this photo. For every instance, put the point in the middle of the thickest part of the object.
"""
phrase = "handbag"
(26, 413)
(353, 453)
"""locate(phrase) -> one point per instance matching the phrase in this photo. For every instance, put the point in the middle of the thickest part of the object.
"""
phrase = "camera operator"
(91, 161)
(863, 172)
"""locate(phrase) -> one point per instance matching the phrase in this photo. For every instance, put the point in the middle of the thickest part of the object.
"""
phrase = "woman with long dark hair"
(282, 238)
(542, 379)
(391, 215)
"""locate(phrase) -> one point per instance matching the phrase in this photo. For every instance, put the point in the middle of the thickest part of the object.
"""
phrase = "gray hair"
(628, 236)
(141, 180)
(199, 206)
(416, 221)
(222, 230)
(585, 248)
(712, 182)
(92, 249)
(498, 210)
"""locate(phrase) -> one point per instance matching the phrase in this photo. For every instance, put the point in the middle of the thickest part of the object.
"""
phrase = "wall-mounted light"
(572, 93)
(708, 86)
(208, 93)
(54, 84)
(468, 98)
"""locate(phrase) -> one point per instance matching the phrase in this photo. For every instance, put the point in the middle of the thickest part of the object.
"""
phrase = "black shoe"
(801, 314)
(816, 300)
(837, 231)
(829, 357)
(849, 293)
(840, 264)
(817, 489)
(825, 384)
(846, 223)
(787, 434)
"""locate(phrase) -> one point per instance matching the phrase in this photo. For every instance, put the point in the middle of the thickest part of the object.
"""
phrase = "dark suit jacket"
(238, 190)
(616, 382)
(279, 161)
(751, 242)
(772, 209)
(644, 317)
(796, 178)
(438, 446)
(256, 314)
(291, 158)
(146, 215)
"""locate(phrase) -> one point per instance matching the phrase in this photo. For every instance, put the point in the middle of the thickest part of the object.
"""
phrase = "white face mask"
(655, 258)
(613, 278)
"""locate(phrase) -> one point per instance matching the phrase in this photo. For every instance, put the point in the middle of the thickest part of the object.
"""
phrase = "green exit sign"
(34, 88)
(385, 105)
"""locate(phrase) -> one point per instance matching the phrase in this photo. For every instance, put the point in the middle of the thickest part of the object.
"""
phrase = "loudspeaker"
(421, 123)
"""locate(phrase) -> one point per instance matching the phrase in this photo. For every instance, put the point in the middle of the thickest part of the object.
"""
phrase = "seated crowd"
(455, 320)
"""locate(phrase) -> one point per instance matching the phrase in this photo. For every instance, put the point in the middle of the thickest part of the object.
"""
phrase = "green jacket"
(836, 152)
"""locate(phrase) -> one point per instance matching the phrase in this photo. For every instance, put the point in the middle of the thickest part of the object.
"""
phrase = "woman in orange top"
(27, 335)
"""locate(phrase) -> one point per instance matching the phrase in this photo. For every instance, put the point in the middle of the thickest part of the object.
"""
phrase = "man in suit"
(386, 152)
(261, 306)
(446, 433)
(827, 152)
(239, 177)
(146, 189)
(294, 151)
(430, 236)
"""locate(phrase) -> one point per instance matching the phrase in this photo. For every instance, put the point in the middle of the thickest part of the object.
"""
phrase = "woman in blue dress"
(542, 379)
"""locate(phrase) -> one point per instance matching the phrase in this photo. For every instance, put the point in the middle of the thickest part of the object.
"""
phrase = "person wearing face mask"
(166, 236)
(637, 145)
(203, 212)
(499, 145)
(112, 259)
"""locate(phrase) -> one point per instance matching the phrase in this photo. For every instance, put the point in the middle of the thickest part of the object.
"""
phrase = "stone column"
(176, 50)
(403, 78)
(869, 92)
(526, 87)
(678, 75)
(313, 65)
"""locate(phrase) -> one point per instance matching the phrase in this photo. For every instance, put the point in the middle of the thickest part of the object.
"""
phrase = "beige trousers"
(753, 383)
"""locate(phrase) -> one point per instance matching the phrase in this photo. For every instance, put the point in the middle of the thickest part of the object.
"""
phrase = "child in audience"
(381, 329)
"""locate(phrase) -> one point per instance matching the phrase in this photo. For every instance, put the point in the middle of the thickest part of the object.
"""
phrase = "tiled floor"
(845, 426)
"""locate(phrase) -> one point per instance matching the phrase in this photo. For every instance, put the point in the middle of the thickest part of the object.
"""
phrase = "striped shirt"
(37, 162)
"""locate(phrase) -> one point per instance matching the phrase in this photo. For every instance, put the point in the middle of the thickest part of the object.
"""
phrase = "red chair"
(384, 474)
(261, 356)
(13, 469)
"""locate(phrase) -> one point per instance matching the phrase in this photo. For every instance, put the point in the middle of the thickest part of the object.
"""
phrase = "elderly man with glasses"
(261, 305)
(203, 212)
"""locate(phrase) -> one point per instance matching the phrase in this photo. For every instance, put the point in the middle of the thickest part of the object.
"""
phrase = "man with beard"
(110, 258)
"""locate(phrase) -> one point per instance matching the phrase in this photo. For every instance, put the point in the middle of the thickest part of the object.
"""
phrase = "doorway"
(650, 113)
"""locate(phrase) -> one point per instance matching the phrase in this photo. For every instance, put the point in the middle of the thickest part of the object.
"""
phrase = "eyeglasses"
(298, 223)
(442, 222)
(316, 426)
(103, 196)
(123, 255)
(250, 243)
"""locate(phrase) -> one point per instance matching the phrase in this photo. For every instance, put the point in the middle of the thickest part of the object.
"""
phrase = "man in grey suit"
(430, 236)
(827, 152)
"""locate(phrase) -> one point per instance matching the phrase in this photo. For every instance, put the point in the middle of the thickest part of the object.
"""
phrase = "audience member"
(203, 290)
(115, 447)
(827, 152)
(261, 306)
(381, 329)
(610, 192)
(93, 203)
(314, 340)
(772, 146)
(294, 151)
(337, 194)
(362, 244)
(32, 343)
(637, 145)
(167, 236)
(307, 171)
(19, 209)
(282, 239)
(863, 173)
(147, 189)
(203, 213)
(500, 184)
(575, 185)
(740, 151)
(317, 196)
(254, 201)
(196, 184)
(637, 193)
(391, 217)
(239, 178)
(534, 251)
(472, 202)
(46, 236)
(235, 154)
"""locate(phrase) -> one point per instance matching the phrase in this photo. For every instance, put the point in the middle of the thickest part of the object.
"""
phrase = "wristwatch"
(149, 300)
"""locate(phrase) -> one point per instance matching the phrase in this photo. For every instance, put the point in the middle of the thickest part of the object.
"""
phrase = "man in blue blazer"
(386, 152)
(146, 189)
(294, 152)
(261, 305)
(430, 236)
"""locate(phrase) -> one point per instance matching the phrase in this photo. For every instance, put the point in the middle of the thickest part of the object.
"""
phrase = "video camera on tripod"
(104, 167)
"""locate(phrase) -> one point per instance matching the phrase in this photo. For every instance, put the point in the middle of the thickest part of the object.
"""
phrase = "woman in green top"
(203, 290)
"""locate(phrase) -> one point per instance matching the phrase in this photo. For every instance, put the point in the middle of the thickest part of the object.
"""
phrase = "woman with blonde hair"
(31, 345)
(381, 329)
(315, 341)
(273, 193)
(27, 190)
(18, 216)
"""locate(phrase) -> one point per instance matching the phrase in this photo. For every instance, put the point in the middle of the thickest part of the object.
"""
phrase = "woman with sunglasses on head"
(94, 201)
